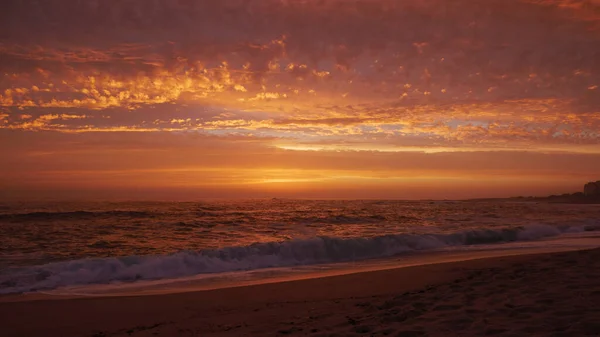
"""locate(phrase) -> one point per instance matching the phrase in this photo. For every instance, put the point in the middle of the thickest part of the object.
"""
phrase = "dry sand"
(556, 294)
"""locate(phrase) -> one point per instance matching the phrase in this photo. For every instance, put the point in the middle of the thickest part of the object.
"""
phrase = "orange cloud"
(300, 79)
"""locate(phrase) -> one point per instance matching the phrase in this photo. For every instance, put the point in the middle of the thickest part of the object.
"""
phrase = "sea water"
(50, 246)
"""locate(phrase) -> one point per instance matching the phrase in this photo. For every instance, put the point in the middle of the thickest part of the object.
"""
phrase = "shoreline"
(284, 308)
(215, 281)
(330, 252)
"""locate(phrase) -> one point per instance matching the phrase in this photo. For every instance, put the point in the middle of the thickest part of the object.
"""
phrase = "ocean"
(48, 246)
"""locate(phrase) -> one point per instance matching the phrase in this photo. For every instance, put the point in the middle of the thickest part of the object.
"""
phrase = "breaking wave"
(259, 255)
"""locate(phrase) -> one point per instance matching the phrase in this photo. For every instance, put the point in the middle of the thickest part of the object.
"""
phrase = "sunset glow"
(298, 98)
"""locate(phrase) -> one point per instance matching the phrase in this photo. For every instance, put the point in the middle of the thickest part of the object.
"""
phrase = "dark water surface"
(54, 244)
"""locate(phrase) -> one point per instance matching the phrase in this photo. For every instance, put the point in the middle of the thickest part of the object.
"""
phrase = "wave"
(340, 219)
(259, 255)
(72, 215)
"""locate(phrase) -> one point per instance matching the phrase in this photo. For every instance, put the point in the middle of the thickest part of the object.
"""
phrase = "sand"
(554, 294)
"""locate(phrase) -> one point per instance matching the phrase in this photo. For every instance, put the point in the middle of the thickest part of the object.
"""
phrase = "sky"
(394, 99)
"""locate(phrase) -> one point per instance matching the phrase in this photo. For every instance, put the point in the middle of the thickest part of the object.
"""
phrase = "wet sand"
(553, 294)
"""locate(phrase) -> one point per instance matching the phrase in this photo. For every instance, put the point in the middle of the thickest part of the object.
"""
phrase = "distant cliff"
(592, 189)
(590, 195)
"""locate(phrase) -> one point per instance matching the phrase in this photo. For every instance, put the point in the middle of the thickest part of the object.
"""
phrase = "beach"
(550, 294)
(299, 168)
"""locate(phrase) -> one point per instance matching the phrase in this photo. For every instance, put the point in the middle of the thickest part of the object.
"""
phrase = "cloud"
(532, 123)
(354, 79)
(379, 48)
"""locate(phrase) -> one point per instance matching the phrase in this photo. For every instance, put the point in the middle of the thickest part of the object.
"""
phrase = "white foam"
(256, 256)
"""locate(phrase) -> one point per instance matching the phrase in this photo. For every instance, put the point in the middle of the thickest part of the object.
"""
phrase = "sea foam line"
(255, 256)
